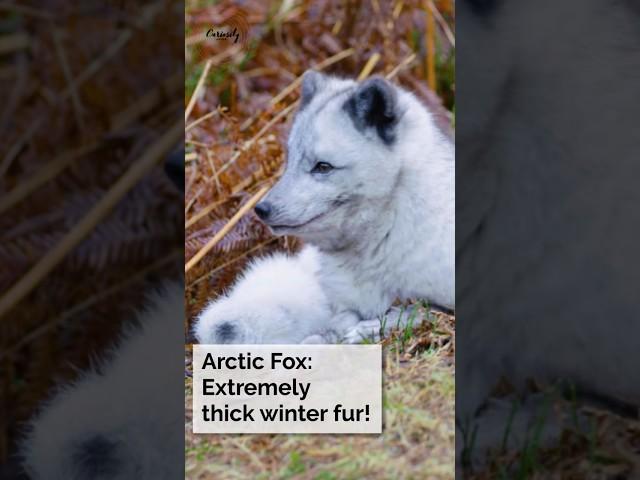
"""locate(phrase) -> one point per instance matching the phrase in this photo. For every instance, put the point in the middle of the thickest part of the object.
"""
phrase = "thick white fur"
(129, 406)
(395, 237)
(408, 240)
(277, 300)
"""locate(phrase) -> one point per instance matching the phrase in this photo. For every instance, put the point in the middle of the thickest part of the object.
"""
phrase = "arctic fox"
(116, 422)
(277, 300)
(370, 182)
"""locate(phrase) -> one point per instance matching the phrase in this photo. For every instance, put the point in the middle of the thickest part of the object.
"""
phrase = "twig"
(87, 73)
(217, 59)
(193, 200)
(227, 227)
(192, 177)
(321, 66)
(369, 66)
(200, 120)
(204, 212)
(145, 104)
(209, 208)
(443, 23)
(252, 456)
(214, 172)
(397, 9)
(89, 302)
(296, 83)
(232, 261)
(336, 28)
(68, 76)
(196, 91)
(430, 60)
(95, 66)
(19, 145)
(400, 66)
(99, 211)
(46, 173)
(194, 39)
(197, 144)
(262, 131)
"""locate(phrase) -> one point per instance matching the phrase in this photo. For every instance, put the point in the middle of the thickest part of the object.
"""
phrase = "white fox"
(370, 182)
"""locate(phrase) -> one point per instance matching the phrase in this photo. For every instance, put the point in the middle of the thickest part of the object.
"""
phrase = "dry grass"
(418, 433)
(600, 446)
(88, 218)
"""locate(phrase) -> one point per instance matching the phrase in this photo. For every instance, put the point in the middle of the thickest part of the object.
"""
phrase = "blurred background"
(86, 90)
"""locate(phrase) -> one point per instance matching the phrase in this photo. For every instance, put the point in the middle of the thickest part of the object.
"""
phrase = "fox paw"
(314, 340)
(364, 331)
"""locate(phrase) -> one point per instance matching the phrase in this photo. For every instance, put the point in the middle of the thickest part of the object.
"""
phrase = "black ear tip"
(377, 89)
(374, 104)
(377, 82)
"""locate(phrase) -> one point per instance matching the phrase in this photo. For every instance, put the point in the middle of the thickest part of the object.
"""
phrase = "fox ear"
(374, 104)
(312, 82)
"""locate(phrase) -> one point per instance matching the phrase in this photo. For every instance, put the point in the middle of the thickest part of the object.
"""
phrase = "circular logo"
(220, 40)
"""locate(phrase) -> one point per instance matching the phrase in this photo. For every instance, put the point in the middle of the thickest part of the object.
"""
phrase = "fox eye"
(322, 167)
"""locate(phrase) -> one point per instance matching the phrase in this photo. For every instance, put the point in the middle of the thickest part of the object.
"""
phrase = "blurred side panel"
(547, 238)
(91, 239)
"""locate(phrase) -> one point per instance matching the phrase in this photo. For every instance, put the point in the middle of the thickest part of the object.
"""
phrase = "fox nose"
(263, 210)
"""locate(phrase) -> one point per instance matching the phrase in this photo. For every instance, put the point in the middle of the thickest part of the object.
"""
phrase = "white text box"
(287, 389)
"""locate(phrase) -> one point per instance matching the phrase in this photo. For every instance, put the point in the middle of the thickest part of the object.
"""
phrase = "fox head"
(345, 158)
